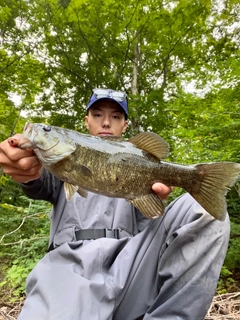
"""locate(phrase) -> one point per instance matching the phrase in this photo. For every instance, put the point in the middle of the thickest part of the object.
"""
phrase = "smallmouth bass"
(114, 167)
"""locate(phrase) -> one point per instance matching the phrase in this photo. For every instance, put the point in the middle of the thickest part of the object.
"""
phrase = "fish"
(126, 168)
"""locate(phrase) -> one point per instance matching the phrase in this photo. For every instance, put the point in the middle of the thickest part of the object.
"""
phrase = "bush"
(25, 230)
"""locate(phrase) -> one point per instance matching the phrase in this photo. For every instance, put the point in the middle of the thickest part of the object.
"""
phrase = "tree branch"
(23, 220)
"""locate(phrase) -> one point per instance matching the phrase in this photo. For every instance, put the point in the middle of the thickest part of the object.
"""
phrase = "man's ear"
(86, 122)
(125, 126)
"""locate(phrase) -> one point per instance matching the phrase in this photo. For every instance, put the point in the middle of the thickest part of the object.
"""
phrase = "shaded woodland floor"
(223, 307)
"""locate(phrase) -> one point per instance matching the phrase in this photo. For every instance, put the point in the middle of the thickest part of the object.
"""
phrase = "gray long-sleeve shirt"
(159, 269)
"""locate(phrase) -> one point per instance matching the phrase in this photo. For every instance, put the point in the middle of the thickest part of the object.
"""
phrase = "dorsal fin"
(152, 143)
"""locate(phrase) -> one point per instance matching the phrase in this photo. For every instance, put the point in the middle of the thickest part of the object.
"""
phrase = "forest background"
(177, 60)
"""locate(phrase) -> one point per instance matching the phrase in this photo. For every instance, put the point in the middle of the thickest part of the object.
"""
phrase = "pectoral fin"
(82, 192)
(69, 189)
(85, 171)
(150, 205)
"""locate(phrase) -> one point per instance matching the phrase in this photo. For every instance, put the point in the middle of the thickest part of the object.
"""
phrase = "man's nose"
(106, 121)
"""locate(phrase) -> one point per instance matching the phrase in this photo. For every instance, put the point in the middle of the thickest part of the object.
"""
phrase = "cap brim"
(123, 105)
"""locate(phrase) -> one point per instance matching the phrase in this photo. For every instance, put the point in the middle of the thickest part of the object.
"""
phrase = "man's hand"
(162, 190)
(21, 165)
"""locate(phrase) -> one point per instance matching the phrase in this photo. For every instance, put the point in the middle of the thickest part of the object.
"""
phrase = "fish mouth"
(53, 146)
(31, 132)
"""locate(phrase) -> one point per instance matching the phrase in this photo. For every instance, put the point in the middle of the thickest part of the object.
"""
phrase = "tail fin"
(216, 180)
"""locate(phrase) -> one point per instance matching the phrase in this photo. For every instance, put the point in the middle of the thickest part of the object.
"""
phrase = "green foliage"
(76, 45)
(23, 259)
(226, 281)
(232, 261)
(24, 226)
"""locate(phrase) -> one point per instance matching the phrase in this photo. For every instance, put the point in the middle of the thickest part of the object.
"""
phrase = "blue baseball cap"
(119, 97)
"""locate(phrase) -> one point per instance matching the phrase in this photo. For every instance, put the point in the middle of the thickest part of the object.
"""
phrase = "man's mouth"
(105, 133)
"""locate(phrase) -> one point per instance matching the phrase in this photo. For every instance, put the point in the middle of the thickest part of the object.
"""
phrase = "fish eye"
(47, 128)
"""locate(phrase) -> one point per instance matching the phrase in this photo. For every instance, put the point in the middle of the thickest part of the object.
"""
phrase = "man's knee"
(186, 210)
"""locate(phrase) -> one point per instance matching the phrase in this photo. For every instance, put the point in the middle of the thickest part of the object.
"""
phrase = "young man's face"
(106, 117)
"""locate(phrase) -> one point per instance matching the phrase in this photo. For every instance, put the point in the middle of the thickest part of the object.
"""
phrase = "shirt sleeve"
(47, 188)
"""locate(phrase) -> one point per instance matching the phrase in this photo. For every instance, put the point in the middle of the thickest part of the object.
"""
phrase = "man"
(106, 260)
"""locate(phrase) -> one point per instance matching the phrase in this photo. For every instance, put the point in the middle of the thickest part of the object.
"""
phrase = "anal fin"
(150, 205)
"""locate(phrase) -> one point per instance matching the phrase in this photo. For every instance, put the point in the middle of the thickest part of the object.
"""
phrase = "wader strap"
(92, 234)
